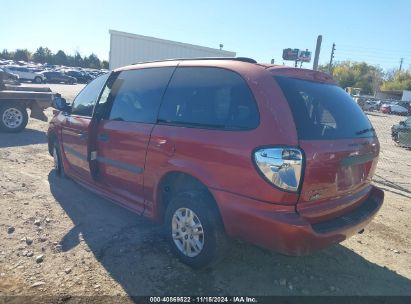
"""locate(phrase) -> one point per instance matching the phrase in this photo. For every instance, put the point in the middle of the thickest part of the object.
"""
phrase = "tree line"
(45, 55)
(369, 78)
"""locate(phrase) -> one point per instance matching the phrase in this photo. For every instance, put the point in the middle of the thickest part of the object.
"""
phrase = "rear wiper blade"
(365, 131)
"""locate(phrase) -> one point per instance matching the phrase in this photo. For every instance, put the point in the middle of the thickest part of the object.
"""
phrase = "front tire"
(13, 117)
(58, 161)
(194, 231)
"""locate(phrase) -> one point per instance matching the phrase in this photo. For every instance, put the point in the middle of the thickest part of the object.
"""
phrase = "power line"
(376, 49)
(387, 58)
(382, 58)
(393, 59)
(367, 57)
(396, 58)
(372, 52)
(386, 64)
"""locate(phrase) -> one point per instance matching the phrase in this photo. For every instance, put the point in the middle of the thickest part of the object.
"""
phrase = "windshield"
(324, 111)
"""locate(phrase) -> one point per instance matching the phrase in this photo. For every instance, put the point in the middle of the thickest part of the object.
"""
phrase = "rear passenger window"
(137, 94)
(209, 98)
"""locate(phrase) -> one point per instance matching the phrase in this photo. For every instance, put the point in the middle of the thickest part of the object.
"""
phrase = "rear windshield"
(324, 111)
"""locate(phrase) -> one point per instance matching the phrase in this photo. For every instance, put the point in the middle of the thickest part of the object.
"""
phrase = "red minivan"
(214, 147)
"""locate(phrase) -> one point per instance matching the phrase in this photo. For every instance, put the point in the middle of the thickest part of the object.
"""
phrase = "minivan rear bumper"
(282, 229)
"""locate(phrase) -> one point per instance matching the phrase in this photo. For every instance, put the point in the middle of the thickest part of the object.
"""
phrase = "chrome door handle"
(160, 142)
(165, 145)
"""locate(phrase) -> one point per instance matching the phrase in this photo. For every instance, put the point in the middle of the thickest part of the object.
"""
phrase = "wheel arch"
(177, 181)
(22, 102)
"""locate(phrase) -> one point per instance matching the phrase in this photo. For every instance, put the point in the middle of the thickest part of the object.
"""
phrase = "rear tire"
(13, 117)
(194, 231)
(38, 80)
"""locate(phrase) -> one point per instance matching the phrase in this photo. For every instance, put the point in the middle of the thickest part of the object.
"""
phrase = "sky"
(377, 32)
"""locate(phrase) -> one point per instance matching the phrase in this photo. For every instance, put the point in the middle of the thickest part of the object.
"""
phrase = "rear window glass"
(324, 111)
(209, 98)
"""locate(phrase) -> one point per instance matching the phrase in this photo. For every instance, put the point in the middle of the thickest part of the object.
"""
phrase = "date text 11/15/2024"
(203, 299)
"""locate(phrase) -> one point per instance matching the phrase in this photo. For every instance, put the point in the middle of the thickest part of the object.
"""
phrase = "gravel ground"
(59, 239)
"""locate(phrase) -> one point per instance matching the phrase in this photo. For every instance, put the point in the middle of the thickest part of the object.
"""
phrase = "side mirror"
(59, 103)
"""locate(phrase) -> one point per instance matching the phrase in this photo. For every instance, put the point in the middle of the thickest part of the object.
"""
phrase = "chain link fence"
(393, 172)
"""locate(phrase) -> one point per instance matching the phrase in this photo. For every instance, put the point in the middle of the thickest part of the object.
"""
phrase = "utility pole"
(331, 59)
(317, 52)
(401, 61)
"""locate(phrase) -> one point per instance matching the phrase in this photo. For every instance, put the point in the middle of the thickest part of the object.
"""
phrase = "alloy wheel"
(187, 232)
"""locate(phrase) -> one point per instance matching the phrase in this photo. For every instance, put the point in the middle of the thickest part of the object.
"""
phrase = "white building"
(403, 95)
(126, 48)
(406, 95)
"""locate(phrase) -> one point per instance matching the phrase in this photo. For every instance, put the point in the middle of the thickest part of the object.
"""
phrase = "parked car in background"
(399, 110)
(94, 73)
(36, 70)
(393, 108)
(25, 73)
(81, 77)
(373, 105)
(369, 104)
(401, 133)
(405, 104)
(280, 157)
(385, 108)
(54, 76)
(10, 78)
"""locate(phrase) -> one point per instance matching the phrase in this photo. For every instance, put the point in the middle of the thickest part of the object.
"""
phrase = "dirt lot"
(89, 246)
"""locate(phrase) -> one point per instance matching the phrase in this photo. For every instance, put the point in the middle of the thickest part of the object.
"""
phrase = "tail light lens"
(282, 167)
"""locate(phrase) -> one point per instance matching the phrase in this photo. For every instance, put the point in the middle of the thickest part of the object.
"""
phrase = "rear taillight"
(280, 166)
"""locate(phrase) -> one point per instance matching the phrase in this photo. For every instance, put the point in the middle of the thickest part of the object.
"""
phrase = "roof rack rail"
(243, 59)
